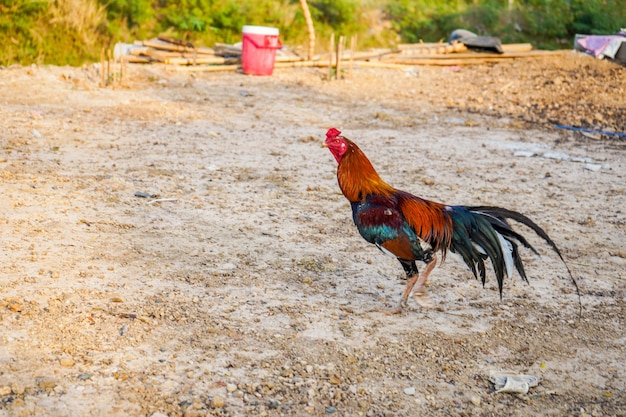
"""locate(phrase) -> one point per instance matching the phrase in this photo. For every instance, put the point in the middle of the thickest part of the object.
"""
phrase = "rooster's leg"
(420, 286)
(412, 275)
(417, 281)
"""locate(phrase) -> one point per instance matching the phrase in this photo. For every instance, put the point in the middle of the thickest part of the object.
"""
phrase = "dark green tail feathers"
(483, 232)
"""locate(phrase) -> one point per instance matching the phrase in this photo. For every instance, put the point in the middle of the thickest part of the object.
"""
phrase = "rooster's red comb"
(332, 133)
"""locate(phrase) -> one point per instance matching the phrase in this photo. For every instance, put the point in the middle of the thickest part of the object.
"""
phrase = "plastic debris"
(592, 167)
(519, 384)
(145, 195)
(556, 155)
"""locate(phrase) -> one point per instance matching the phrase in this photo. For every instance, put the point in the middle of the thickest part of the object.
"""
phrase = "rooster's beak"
(324, 145)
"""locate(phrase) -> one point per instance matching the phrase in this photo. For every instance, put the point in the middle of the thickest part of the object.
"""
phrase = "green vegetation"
(71, 32)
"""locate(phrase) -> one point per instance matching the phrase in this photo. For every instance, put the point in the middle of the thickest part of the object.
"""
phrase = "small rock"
(18, 388)
(228, 266)
(46, 382)
(157, 414)
(5, 390)
(331, 409)
(475, 399)
(231, 387)
(66, 361)
(14, 305)
(36, 133)
(409, 391)
(218, 402)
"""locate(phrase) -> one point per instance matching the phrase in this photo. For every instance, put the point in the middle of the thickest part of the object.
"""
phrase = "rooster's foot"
(421, 297)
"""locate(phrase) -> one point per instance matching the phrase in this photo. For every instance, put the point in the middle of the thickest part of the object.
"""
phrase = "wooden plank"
(289, 59)
(157, 44)
(175, 41)
(517, 47)
(409, 48)
(200, 60)
(202, 68)
(476, 56)
(438, 49)
(223, 49)
(137, 59)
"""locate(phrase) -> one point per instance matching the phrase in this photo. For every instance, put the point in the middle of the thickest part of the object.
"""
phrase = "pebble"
(18, 388)
(409, 391)
(475, 399)
(66, 361)
(231, 387)
(331, 410)
(45, 382)
(6, 390)
(218, 402)
(157, 414)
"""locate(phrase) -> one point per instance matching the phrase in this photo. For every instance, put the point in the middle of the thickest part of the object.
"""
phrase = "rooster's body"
(414, 229)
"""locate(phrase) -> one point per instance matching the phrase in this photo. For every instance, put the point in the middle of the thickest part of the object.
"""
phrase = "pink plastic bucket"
(258, 49)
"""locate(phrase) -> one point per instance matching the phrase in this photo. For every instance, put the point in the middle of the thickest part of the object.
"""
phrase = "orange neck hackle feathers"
(356, 175)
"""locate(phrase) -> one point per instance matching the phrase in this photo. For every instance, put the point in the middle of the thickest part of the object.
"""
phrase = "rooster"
(413, 229)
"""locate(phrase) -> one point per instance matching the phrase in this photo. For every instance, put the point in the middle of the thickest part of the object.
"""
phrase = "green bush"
(75, 31)
(597, 17)
(545, 23)
(55, 32)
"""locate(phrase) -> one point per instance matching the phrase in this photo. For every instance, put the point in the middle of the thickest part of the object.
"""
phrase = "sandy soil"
(241, 287)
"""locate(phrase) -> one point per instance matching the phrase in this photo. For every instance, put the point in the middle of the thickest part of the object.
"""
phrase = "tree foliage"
(74, 31)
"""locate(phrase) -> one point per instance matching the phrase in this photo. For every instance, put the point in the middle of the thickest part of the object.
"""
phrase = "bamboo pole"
(217, 68)
(340, 46)
(352, 50)
(102, 68)
(517, 47)
(202, 68)
(309, 27)
(108, 79)
(471, 56)
(330, 59)
(122, 69)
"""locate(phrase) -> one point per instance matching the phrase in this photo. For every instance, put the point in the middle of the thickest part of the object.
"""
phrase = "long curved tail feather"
(482, 232)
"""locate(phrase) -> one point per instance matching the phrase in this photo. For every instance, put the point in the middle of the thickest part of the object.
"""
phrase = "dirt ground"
(239, 285)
